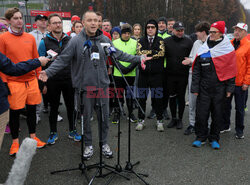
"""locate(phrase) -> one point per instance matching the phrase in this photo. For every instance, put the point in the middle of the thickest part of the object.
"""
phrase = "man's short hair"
(107, 20)
(203, 26)
(99, 14)
(53, 15)
(170, 19)
(10, 12)
(89, 11)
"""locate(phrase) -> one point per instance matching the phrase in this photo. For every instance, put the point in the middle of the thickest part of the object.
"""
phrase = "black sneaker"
(239, 136)
(152, 114)
(172, 123)
(45, 109)
(189, 130)
(116, 118)
(165, 115)
(133, 119)
(179, 124)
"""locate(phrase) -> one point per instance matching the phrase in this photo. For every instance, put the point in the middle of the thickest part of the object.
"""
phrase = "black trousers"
(154, 82)
(207, 103)
(55, 88)
(165, 90)
(123, 90)
(177, 89)
(15, 123)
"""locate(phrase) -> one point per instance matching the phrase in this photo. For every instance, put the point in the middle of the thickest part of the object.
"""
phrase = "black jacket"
(157, 51)
(176, 49)
(49, 42)
(204, 75)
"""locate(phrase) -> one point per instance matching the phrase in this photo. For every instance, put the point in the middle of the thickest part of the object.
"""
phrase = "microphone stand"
(129, 166)
(118, 167)
(101, 165)
(82, 166)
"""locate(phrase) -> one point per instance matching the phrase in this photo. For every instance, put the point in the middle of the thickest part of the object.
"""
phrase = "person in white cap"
(242, 80)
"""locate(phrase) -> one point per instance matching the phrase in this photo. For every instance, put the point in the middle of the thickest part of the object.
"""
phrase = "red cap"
(75, 18)
(220, 25)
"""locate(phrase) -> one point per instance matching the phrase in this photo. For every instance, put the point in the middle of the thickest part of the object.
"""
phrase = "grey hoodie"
(84, 73)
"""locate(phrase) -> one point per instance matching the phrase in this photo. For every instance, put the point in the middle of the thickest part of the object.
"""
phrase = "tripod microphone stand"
(101, 165)
(118, 167)
(129, 166)
(82, 167)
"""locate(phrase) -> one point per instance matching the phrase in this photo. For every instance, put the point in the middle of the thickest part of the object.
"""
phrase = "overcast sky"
(246, 3)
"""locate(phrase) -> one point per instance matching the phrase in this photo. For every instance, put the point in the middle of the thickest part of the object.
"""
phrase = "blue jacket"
(9, 68)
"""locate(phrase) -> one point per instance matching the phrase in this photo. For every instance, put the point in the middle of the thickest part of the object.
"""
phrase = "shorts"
(22, 93)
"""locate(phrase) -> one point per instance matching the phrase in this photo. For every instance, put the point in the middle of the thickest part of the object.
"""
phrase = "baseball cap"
(40, 17)
(242, 26)
(178, 26)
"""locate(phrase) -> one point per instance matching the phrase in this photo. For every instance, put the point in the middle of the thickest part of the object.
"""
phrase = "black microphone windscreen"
(94, 49)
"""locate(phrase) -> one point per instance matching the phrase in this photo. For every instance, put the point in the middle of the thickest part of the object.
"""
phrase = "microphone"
(94, 54)
(87, 44)
(109, 51)
(51, 54)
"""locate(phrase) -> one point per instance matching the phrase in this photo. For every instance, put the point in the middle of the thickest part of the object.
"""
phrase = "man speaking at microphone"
(89, 73)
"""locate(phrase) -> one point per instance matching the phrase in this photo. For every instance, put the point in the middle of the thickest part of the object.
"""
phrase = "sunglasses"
(152, 27)
(213, 32)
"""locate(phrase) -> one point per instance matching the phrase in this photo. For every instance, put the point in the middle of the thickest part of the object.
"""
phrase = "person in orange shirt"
(242, 81)
(21, 46)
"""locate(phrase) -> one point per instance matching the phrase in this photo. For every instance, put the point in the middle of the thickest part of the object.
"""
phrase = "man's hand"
(244, 87)
(144, 58)
(110, 71)
(43, 60)
(228, 94)
(196, 94)
(187, 61)
(43, 76)
(45, 89)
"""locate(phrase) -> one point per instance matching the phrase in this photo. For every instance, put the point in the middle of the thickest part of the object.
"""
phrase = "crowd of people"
(163, 60)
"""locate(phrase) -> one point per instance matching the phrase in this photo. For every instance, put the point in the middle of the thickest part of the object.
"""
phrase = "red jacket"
(243, 62)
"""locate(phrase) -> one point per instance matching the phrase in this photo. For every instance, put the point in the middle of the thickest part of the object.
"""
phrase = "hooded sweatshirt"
(86, 72)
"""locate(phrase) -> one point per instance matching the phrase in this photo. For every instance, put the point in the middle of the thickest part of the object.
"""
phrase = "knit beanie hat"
(164, 19)
(220, 25)
(126, 28)
(117, 29)
(75, 18)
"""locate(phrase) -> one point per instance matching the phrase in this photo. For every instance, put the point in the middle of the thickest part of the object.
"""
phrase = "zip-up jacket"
(127, 47)
(87, 72)
(242, 62)
(49, 42)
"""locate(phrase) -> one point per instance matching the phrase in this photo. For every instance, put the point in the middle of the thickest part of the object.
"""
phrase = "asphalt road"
(167, 157)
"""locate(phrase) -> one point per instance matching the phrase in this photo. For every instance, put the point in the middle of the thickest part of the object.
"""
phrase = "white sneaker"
(88, 152)
(38, 118)
(140, 125)
(59, 118)
(106, 151)
(159, 126)
(226, 130)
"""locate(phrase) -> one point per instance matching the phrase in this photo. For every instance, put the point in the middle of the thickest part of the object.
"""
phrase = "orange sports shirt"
(19, 48)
